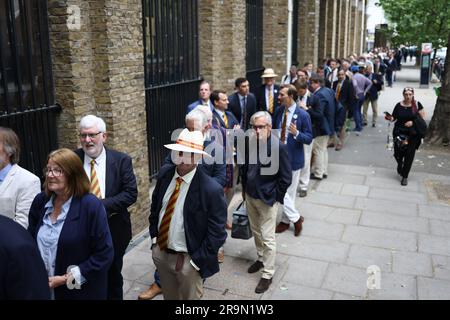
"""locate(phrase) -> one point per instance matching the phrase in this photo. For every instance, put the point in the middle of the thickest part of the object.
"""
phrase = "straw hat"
(188, 141)
(268, 73)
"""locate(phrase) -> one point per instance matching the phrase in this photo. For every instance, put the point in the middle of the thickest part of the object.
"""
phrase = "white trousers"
(290, 213)
(306, 171)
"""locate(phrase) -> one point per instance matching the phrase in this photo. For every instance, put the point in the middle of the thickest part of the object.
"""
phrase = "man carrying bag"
(241, 225)
(263, 184)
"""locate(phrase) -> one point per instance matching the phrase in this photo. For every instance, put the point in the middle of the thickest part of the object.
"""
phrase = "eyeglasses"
(56, 172)
(90, 135)
(408, 89)
(259, 127)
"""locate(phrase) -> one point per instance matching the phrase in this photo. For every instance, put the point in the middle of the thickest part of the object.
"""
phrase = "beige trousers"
(320, 154)
(263, 220)
(179, 279)
(374, 105)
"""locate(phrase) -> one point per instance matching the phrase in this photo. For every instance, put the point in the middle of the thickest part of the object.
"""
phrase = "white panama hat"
(188, 141)
(268, 73)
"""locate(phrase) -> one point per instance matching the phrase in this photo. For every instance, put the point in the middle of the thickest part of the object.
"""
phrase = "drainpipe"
(289, 36)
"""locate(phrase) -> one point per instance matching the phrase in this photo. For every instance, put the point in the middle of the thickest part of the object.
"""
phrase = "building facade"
(138, 63)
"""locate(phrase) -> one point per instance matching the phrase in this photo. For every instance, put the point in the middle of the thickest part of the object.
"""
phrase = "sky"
(375, 15)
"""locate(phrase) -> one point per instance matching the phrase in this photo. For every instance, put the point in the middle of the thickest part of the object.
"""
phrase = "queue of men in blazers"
(189, 206)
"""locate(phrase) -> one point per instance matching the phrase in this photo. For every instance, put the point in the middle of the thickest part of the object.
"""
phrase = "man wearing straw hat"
(267, 94)
(187, 221)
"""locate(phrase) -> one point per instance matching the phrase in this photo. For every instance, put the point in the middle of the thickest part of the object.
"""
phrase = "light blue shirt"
(4, 172)
(48, 235)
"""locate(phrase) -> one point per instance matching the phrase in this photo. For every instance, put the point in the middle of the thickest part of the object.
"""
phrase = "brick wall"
(222, 41)
(99, 69)
(308, 31)
(275, 17)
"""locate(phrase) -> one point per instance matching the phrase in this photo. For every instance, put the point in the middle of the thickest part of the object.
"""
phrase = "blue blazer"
(85, 241)
(234, 105)
(218, 120)
(326, 103)
(22, 272)
(204, 213)
(121, 188)
(295, 144)
(198, 103)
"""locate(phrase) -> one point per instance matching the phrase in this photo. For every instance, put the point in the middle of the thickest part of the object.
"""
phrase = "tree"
(439, 128)
(415, 22)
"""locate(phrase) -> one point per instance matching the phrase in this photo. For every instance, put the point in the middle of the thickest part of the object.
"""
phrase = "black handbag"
(241, 225)
(420, 126)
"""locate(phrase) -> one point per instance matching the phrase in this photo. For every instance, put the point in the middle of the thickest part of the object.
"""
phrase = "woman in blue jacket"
(71, 230)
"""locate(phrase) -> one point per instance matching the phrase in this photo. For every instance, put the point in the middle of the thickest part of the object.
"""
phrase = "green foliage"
(413, 22)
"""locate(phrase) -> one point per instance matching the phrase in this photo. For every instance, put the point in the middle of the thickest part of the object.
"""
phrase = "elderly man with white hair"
(112, 180)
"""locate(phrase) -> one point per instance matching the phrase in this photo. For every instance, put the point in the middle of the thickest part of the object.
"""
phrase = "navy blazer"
(260, 94)
(372, 94)
(196, 103)
(85, 241)
(121, 188)
(204, 213)
(295, 144)
(269, 188)
(234, 105)
(327, 106)
(347, 96)
(22, 272)
(218, 120)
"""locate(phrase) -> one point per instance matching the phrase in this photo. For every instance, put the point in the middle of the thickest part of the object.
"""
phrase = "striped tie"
(95, 185)
(270, 102)
(225, 120)
(283, 126)
(163, 234)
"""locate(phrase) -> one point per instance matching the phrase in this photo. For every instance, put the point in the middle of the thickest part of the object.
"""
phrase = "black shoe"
(263, 285)
(399, 170)
(255, 267)
(373, 125)
(302, 193)
(325, 176)
(365, 124)
(404, 182)
(313, 177)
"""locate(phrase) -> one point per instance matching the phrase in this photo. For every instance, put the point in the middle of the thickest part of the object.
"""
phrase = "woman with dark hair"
(71, 230)
(407, 134)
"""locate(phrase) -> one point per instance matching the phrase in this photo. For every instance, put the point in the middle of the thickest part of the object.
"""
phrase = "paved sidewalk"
(359, 216)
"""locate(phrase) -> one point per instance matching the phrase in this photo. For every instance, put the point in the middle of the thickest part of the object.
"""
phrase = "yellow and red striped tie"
(225, 120)
(163, 233)
(95, 185)
(270, 101)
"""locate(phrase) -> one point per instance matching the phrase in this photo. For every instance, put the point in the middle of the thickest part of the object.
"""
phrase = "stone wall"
(99, 69)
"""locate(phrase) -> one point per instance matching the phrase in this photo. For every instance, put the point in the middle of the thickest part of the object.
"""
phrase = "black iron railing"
(254, 44)
(27, 102)
(171, 70)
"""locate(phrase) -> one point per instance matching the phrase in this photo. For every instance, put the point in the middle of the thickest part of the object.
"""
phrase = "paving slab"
(394, 287)
(440, 227)
(400, 196)
(441, 267)
(329, 187)
(313, 210)
(291, 291)
(434, 244)
(394, 222)
(389, 183)
(434, 212)
(345, 279)
(333, 200)
(344, 216)
(306, 272)
(322, 229)
(387, 206)
(347, 178)
(356, 190)
(381, 238)
(433, 289)
(363, 257)
(412, 263)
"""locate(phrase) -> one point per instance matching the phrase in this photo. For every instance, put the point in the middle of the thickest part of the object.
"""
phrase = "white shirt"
(305, 97)
(100, 168)
(290, 114)
(177, 238)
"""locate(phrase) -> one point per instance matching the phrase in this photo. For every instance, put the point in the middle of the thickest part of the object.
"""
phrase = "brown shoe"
(228, 226)
(263, 285)
(152, 292)
(338, 147)
(221, 256)
(255, 267)
(298, 226)
(281, 227)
